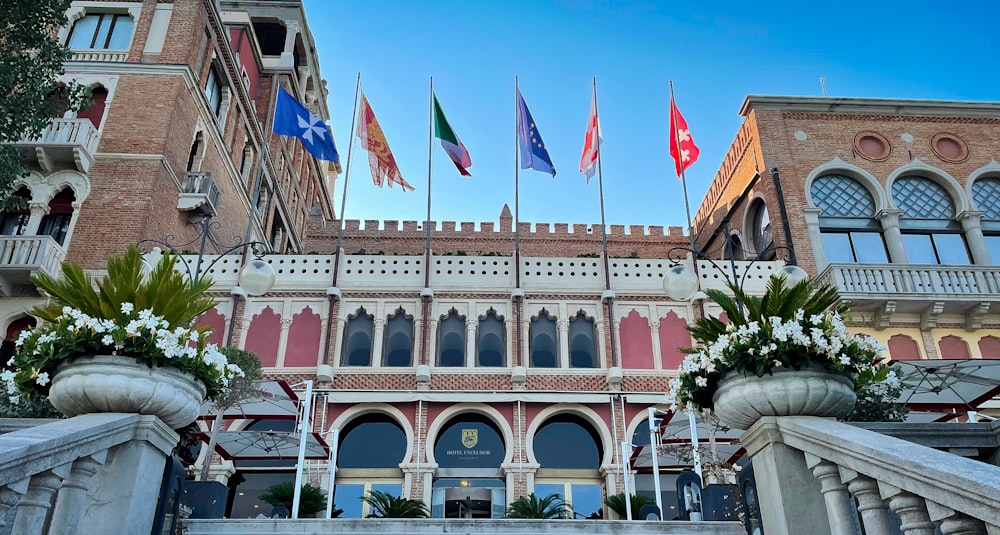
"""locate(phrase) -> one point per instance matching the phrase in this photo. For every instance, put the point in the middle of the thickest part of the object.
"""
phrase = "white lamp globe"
(793, 274)
(257, 277)
(680, 283)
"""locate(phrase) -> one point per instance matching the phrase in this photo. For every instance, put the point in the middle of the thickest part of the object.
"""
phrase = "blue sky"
(715, 52)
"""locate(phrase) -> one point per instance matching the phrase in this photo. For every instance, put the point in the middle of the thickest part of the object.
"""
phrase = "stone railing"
(96, 473)
(902, 280)
(65, 141)
(809, 472)
(30, 253)
(99, 55)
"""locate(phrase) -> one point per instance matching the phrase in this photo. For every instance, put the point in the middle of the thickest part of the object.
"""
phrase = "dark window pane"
(566, 445)
(399, 340)
(372, 445)
(869, 248)
(492, 341)
(582, 347)
(451, 341)
(469, 443)
(543, 347)
(951, 249)
(358, 340)
(246, 502)
(919, 249)
(837, 247)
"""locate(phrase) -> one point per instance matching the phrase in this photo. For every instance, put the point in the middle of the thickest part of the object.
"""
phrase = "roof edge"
(893, 106)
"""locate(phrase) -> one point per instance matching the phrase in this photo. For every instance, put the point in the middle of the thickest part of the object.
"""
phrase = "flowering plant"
(788, 327)
(129, 314)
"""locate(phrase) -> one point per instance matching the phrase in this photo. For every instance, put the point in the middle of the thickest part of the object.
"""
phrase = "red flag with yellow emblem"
(380, 159)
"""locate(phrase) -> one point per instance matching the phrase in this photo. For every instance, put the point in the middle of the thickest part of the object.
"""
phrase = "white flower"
(14, 400)
(701, 381)
(845, 360)
(108, 340)
(127, 308)
(42, 378)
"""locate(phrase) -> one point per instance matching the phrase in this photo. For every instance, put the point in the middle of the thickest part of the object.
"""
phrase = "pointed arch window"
(358, 339)
(398, 339)
(760, 230)
(56, 222)
(15, 219)
(929, 230)
(582, 342)
(451, 339)
(847, 220)
(543, 341)
(491, 340)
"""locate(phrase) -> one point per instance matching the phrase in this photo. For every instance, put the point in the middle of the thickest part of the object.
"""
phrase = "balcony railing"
(20, 256)
(904, 280)
(200, 193)
(64, 141)
(99, 55)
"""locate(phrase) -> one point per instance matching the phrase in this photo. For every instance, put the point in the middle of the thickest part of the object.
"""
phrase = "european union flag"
(534, 155)
(293, 119)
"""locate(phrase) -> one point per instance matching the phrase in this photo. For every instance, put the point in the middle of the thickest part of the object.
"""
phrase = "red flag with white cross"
(682, 147)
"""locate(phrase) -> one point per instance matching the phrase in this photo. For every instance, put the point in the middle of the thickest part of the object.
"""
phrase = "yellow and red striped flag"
(380, 159)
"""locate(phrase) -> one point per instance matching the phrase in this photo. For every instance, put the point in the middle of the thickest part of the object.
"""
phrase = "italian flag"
(450, 142)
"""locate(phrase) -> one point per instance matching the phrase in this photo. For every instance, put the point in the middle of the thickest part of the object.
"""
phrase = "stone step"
(456, 526)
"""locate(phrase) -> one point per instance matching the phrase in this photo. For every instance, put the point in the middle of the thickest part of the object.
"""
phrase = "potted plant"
(123, 343)
(530, 506)
(785, 353)
(616, 503)
(311, 500)
(385, 505)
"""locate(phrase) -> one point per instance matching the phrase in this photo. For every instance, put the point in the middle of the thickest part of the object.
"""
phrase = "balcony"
(22, 256)
(930, 290)
(64, 142)
(87, 54)
(199, 194)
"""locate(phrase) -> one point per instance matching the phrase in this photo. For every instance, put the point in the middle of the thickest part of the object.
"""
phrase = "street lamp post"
(681, 283)
(256, 277)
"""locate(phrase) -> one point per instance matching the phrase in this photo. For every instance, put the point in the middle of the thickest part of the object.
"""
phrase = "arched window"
(358, 339)
(470, 441)
(13, 331)
(398, 339)
(491, 343)
(56, 222)
(737, 248)
(543, 344)
(930, 234)
(451, 339)
(371, 448)
(246, 160)
(568, 451)
(847, 210)
(95, 111)
(582, 342)
(986, 196)
(213, 92)
(196, 154)
(15, 219)
(760, 230)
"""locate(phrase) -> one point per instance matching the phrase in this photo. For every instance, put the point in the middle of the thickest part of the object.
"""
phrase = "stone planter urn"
(107, 383)
(744, 398)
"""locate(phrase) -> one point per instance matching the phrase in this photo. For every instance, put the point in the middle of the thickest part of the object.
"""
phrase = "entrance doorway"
(468, 498)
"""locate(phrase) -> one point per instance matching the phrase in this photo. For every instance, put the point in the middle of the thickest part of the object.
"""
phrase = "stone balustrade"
(809, 472)
(95, 473)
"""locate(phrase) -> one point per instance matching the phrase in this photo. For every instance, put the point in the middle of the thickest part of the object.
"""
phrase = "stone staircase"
(456, 526)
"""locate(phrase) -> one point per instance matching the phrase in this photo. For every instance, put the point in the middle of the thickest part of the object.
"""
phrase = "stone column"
(654, 334)
(839, 505)
(893, 237)
(38, 211)
(971, 221)
(123, 495)
(338, 343)
(787, 489)
(563, 326)
(602, 352)
(815, 237)
(286, 323)
(911, 510)
(520, 479)
(953, 522)
(378, 342)
(526, 343)
(34, 506)
(418, 479)
(471, 324)
(874, 511)
(432, 337)
(72, 497)
(287, 55)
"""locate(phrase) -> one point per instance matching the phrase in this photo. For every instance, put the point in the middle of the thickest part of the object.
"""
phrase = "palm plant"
(385, 505)
(530, 506)
(164, 291)
(616, 503)
(312, 499)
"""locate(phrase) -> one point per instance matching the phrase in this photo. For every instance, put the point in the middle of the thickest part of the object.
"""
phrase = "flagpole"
(341, 221)
(610, 301)
(517, 233)
(425, 297)
(680, 161)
